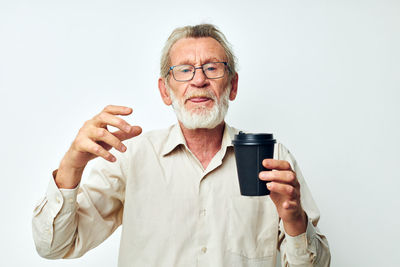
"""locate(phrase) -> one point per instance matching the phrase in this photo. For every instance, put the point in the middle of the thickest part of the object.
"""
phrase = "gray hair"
(197, 31)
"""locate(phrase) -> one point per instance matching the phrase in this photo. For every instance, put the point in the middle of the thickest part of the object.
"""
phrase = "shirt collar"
(176, 138)
(228, 136)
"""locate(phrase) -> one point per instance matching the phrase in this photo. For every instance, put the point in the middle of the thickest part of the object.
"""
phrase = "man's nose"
(199, 78)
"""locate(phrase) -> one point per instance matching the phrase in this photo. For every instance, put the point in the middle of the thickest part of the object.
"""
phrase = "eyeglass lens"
(212, 70)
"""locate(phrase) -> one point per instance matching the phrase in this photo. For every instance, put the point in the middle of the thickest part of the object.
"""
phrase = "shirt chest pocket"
(252, 228)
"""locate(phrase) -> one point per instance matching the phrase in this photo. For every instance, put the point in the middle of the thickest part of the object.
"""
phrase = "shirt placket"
(204, 228)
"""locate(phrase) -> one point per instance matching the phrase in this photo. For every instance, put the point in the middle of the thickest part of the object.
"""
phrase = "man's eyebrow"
(208, 60)
(213, 59)
(185, 62)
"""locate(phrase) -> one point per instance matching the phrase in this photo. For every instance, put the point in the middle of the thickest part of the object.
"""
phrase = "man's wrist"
(296, 227)
(67, 177)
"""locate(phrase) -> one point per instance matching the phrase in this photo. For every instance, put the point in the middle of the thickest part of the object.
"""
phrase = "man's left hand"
(285, 193)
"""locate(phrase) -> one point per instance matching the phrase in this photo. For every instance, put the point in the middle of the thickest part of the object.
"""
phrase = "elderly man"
(175, 191)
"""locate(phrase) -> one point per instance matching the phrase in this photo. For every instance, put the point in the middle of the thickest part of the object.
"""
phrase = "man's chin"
(199, 116)
(200, 126)
(198, 107)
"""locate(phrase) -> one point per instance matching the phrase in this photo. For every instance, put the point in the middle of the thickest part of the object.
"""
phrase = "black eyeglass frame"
(195, 68)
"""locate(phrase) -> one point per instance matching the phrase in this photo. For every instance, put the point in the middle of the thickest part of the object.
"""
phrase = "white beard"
(201, 117)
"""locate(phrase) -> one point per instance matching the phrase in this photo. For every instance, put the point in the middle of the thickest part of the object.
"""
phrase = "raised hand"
(95, 140)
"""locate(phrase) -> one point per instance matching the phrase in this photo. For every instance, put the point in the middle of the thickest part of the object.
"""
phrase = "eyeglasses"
(212, 70)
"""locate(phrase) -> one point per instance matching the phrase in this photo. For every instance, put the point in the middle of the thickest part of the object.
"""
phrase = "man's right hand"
(95, 140)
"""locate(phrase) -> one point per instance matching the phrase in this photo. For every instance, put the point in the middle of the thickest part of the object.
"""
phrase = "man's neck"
(204, 143)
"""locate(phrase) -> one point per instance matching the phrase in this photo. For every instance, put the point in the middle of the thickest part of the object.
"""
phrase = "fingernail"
(123, 148)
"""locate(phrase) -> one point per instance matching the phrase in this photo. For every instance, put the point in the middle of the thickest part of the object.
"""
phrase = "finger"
(118, 110)
(283, 189)
(287, 177)
(98, 150)
(103, 119)
(103, 135)
(135, 131)
(274, 164)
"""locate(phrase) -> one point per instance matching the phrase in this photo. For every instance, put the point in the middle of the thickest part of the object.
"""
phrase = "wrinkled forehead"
(197, 51)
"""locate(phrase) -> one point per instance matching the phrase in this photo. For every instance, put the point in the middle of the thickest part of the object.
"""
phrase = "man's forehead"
(196, 50)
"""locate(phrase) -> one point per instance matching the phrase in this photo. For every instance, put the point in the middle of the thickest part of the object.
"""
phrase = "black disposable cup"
(250, 151)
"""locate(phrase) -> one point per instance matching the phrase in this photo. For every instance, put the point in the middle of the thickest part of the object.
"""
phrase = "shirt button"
(204, 249)
(203, 212)
(58, 199)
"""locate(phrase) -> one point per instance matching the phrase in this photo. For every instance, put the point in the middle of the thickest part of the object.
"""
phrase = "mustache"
(200, 93)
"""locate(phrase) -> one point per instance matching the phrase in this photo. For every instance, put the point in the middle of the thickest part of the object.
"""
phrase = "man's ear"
(234, 87)
(164, 91)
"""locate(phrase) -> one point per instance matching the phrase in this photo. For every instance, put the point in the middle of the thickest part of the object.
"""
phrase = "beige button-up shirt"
(174, 212)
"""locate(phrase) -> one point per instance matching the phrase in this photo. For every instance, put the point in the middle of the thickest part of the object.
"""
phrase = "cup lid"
(253, 139)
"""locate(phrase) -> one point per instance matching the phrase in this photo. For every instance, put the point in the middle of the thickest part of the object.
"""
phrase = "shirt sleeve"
(310, 248)
(68, 222)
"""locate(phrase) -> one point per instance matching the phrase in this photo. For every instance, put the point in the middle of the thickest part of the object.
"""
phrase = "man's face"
(200, 102)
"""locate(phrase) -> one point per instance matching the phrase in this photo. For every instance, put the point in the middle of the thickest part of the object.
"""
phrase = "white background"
(323, 76)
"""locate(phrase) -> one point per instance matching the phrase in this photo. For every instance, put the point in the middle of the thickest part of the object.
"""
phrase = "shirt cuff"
(298, 245)
(63, 199)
